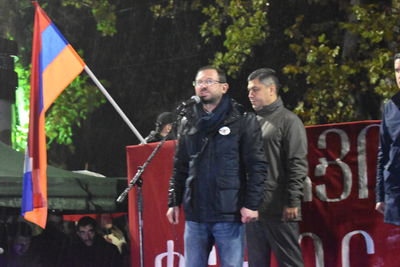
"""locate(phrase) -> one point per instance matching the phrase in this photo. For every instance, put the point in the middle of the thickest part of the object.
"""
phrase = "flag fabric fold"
(55, 64)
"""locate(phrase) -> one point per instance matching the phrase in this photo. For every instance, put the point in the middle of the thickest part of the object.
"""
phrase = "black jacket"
(285, 144)
(388, 171)
(218, 173)
(100, 254)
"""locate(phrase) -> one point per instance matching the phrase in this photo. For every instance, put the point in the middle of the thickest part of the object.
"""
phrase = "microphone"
(191, 101)
(150, 136)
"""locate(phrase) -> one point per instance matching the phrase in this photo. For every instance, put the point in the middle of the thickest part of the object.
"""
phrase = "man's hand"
(290, 213)
(248, 215)
(380, 206)
(173, 215)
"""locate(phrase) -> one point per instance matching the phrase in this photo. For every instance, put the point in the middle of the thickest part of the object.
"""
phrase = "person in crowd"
(388, 171)
(90, 249)
(285, 145)
(3, 241)
(52, 241)
(218, 174)
(111, 233)
(121, 222)
(163, 128)
(21, 252)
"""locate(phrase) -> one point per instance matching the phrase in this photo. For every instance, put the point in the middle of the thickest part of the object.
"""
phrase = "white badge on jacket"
(224, 130)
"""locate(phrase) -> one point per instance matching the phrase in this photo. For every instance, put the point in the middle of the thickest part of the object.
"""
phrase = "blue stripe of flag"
(52, 44)
(27, 194)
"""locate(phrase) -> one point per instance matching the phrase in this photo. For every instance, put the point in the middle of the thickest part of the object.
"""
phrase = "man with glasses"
(219, 173)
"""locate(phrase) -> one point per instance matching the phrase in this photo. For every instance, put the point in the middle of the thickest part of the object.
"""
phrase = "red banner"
(340, 226)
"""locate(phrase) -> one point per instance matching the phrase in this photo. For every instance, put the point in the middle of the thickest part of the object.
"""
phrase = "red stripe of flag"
(55, 64)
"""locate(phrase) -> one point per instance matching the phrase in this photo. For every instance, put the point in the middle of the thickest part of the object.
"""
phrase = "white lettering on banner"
(318, 247)
(170, 254)
(307, 192)
(362, 162)
(319, 251)
(320, 169)
(212, 258)
(346, 246)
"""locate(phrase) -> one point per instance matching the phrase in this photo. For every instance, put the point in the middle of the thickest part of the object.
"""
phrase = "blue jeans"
(200, 238)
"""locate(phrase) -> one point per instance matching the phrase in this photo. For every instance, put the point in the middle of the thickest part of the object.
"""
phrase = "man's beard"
(212, 100)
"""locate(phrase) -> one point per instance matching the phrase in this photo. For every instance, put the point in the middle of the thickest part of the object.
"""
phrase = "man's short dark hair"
(86, 220)
(396, 56)
(266, 76)
(221, 74)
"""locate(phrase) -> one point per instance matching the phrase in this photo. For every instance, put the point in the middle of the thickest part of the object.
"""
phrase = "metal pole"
(140, 219)
(115, 105)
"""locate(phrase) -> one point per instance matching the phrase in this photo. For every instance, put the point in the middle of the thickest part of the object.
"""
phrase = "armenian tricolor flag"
(55, 64)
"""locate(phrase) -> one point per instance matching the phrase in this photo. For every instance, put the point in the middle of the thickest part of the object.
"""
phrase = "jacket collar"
(235, 113)
(269, 109)
(396, 99)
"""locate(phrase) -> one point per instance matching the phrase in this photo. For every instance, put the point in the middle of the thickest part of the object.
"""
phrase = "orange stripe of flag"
(59, 74)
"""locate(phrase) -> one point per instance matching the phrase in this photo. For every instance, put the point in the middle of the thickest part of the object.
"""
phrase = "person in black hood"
(163, 128)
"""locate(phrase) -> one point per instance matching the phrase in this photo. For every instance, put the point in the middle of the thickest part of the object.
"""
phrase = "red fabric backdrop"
(340, 227)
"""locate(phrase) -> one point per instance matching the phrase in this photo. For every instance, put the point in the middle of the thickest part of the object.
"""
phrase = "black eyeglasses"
(206, 82)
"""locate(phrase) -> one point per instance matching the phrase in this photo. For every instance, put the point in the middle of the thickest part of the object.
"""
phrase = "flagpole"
(115, 105)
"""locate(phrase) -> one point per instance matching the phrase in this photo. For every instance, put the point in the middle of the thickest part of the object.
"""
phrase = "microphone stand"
(137, 180)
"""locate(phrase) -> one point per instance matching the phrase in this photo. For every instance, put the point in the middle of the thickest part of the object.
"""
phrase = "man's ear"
(225, 87)
(272, 89)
